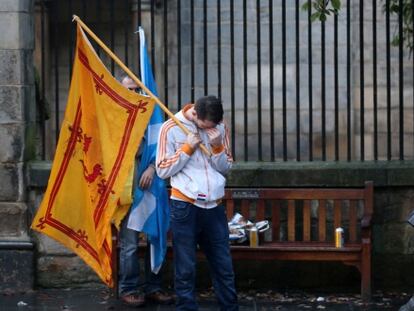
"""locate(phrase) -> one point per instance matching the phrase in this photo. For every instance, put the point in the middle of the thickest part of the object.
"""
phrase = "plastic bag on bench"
(239, 227)
(411, 219)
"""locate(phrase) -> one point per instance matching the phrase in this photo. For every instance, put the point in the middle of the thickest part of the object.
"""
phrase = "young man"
(197, 215)
(134, 292)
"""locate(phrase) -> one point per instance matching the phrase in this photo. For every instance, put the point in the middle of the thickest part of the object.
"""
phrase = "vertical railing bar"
(112, 18)
(55, 47)
(126, 26)
(99, 22)
(284, 80)
(219, 48)
(43, 79)
(297, 81)
(152, 14)
(271, 79)
(71, 30)
(259, 84)
(336, 87)
(232, 90)
(412, 56)
(246, 157)
(192, 51)
(375, 79)
(83, 9)
(179, 54)
(362, 82)
(348, 80)
(205, 47)
(84, 13)
(323, 91)
(139, 12)
(388, 56)
(401, 74)
(165, 52)
(310, 87)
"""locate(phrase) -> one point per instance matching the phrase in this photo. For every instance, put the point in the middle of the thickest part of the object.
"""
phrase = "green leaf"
(315, 16)
(394, 8)
(306, 6)
(395, 41)
(336, 4)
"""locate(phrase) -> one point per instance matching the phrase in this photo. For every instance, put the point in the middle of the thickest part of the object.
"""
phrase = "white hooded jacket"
(195, 177)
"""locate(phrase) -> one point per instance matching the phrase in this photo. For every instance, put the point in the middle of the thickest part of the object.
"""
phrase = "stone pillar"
(17, 111)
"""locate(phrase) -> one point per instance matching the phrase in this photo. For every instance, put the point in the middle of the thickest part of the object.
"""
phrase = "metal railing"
(292, 89)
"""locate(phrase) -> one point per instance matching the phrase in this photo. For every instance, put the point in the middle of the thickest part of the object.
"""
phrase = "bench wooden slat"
(276, 220)
(296, 194)
(229, 208)
(245, 209)
(337, 214)
(353, 214)
(306, 221)
(291, 220)
(300, 255)
(295, 246)
(260, 210)
(322, 220)
(283, 246)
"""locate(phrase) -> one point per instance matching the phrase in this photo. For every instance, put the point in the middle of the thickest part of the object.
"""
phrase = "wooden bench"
(322, 210)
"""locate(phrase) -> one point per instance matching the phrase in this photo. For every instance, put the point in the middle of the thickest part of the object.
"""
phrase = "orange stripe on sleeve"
(217, 149)
(187, 149)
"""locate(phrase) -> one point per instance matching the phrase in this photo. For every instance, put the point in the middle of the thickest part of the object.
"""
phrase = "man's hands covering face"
(194, 140)
(214, 136)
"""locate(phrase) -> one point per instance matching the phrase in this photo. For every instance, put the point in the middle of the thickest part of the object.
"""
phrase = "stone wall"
(17, 125)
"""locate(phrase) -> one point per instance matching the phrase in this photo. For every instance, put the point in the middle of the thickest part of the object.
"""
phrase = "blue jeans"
(129, 267)
(208, 228)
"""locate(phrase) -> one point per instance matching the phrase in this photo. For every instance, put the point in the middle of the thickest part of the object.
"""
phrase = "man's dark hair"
(209, 108)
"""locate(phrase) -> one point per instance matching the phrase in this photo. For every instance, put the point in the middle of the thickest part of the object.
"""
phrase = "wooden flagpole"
(135, 78)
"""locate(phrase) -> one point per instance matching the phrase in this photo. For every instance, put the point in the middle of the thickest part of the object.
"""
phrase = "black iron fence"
(292, 89)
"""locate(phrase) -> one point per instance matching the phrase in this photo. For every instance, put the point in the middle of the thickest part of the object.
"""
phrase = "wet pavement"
(102, 299)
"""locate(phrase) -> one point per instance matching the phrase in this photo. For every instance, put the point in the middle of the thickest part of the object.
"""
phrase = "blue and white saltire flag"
(150, 209)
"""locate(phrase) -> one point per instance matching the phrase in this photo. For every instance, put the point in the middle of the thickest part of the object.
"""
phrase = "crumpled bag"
(239, 228)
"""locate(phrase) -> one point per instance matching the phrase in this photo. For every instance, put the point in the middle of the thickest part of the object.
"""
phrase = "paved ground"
(101, 299)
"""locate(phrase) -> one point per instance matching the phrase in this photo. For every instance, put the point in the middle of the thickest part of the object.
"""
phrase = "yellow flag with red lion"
(100, 134)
